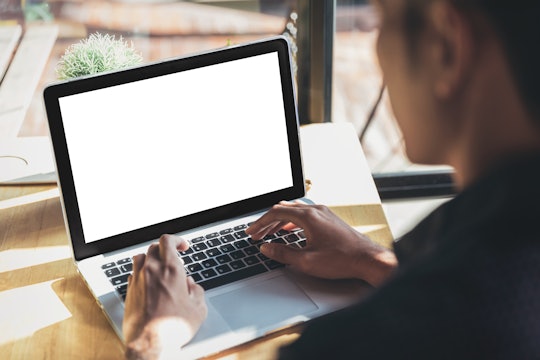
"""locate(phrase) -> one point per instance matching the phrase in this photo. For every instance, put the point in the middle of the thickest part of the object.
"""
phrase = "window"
(157, 29)
(357, 97)
(332, 42)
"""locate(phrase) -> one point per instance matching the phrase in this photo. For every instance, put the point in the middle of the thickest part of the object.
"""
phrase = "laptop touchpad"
(263, 304)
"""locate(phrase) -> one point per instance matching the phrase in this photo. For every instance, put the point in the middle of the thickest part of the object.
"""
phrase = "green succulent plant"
(98, 53)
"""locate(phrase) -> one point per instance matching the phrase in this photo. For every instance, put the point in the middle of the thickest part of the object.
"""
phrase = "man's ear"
(452, 47)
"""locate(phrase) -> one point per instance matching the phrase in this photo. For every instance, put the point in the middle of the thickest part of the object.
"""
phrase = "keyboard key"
(187, 260)
(208, 273)
(223, 259)
(213, 242)
(302, 243)
(196, 277)
(252, 250)
(194, 267)
(124, 261)
(262, 257)
(199, 247)
(226, 231)
(251, 260)
(282, 232)
(213, 252)
(241, 244)
(233, 276)
(127, 267)
(119, 279)
(227, 248)
(301, 234)
(279, 241)
(187, 252)
(223, 269)
(269, 237)
(209, 263)
(112, 272)
(291, 238)
(122, 289)
(238, 254)
(212, 235)
(108, 265)
(240, 227)
(198, 239)
(240, 234)
(227, 238)
(238, 264)
(199, 256)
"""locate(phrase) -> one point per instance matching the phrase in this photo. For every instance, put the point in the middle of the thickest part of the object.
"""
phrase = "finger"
(183, 244)
(280, 252)
(153, 250)
(273, 228)
(196, 292)
(138, 263)
(289, 226)
(257, 232)
(283, 213)
(265, 225)
(168, 245)
(194, 289)
(262, 224)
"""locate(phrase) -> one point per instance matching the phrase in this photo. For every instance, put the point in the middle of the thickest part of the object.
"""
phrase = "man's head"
(517, 25)
(451, 64)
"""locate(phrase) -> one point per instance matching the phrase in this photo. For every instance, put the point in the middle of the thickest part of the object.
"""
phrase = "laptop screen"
(174, 145)
(157, 149)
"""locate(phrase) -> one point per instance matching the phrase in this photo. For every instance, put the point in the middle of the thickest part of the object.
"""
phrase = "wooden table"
(46, 310)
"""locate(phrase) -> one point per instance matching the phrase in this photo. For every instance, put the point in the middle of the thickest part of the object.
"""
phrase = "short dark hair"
(516, 22)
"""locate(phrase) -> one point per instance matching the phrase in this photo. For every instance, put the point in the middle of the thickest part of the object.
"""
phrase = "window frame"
(315, 41)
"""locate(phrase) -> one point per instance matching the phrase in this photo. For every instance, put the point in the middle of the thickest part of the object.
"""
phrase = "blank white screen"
(158, 149)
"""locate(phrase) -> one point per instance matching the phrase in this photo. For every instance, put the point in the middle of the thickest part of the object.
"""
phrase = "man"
(463, 79)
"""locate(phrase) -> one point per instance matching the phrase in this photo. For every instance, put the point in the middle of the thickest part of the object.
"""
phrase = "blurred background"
(332, 42)
(162, 29)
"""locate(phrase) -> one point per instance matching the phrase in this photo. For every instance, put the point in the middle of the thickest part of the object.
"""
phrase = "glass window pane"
(158, 29)
(356, 87)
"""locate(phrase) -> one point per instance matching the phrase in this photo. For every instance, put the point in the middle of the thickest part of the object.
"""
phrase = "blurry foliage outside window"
(158, 29)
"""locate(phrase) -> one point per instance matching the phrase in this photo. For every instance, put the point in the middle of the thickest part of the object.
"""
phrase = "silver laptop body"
(198, 146)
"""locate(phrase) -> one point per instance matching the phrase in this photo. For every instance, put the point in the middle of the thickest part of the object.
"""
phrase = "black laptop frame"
(54, 92)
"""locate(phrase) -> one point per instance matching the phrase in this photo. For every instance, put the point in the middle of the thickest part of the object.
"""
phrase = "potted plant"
(96, 54)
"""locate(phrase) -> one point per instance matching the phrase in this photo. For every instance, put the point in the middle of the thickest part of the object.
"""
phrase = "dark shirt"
(467, 286)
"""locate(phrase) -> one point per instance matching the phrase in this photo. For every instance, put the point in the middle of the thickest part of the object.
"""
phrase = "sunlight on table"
(28, 309)
(29, 199)
(15, 259)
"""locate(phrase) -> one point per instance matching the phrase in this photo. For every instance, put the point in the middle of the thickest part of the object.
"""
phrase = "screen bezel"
(54, 92)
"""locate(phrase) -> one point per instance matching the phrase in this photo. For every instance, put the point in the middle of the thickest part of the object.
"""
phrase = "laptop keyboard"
(217, 258)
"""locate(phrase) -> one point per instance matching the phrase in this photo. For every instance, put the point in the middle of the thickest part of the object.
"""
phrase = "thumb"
(280, 252)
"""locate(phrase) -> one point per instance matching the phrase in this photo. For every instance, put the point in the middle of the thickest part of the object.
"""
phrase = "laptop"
(199, 146)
